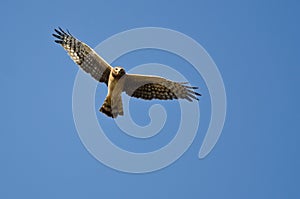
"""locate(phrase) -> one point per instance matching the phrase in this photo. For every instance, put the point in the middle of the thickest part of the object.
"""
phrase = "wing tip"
(192, 92)
(198, 94)
(58, 41)
(61, 34)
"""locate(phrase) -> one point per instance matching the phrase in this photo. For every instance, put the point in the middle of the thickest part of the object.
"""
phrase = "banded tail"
(112, 108)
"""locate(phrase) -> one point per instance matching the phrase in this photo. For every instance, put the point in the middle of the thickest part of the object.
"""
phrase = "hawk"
(140, 86)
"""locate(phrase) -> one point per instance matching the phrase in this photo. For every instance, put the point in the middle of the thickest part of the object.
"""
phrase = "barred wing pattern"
(84, 56)
(154, 87)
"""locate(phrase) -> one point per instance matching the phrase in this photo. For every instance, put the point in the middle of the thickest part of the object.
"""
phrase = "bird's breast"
(115, 86)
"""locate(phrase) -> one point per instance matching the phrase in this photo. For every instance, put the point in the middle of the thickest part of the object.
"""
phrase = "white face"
(119, 71)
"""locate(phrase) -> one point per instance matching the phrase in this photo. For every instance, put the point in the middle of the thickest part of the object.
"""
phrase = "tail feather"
(112, 108)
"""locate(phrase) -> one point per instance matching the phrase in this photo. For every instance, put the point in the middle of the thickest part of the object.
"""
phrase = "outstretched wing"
(84, 56)
(153, 87)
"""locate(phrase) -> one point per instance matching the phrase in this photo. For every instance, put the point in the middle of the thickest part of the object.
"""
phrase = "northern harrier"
(116, 79)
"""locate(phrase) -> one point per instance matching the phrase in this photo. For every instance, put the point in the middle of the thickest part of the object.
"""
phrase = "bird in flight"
(117, 80)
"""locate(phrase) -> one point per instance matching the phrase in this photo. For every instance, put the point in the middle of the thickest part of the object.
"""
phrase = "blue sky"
(255, 45)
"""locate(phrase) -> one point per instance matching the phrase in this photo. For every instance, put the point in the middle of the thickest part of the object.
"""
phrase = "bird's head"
(118, 72)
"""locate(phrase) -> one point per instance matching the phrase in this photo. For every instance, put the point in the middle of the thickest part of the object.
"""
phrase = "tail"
(112, 108)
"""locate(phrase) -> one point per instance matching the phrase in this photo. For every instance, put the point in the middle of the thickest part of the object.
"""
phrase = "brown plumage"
(139, 86)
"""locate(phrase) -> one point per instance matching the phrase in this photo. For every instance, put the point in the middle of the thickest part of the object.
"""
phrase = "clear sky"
(255, 45)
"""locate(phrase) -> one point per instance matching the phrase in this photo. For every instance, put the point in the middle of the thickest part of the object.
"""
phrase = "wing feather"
(84, 56)
(154, 87)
